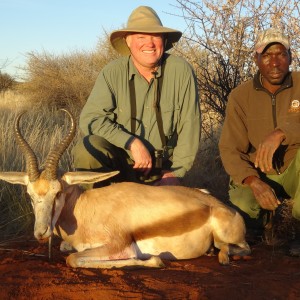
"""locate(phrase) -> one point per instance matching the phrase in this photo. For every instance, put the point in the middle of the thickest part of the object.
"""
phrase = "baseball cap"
(271, 35)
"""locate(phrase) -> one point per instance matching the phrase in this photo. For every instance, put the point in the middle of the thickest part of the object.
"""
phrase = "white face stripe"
(43, 195)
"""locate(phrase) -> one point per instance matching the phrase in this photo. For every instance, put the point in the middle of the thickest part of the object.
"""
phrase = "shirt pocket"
(170, 116)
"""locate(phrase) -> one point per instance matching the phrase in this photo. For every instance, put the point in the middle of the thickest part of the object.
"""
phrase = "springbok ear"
(87, 177)
(15, 177)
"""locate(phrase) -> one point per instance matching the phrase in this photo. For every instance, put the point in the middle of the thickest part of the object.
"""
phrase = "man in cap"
(142, 116)
(260, 139)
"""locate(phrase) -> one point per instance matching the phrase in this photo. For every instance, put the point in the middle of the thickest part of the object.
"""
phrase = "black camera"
(157, 163)
(156, 171)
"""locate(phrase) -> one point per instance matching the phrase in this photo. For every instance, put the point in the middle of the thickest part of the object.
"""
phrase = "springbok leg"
(94, 258)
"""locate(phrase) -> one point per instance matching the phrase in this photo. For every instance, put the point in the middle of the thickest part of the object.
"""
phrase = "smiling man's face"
(146, 49)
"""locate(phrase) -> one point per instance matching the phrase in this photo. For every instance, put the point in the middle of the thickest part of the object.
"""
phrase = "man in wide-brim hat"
(143, 20)
(143, 104)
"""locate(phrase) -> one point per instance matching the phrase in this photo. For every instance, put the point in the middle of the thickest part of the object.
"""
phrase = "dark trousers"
(94, 153)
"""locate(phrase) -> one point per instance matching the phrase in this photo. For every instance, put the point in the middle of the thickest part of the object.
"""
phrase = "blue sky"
(63, 26)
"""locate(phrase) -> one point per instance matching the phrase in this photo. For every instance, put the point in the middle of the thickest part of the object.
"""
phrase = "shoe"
(295, 248)
(272, 238)
(280, 228)
(254, 236)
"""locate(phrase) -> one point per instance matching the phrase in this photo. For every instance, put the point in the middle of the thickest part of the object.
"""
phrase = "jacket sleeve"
(289, 119)
(234, 143)
(291, 128)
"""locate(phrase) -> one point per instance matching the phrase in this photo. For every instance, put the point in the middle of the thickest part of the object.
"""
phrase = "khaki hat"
(144, 20)
(271, 35)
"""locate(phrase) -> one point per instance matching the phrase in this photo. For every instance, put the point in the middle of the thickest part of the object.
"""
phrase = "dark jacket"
(251, 114)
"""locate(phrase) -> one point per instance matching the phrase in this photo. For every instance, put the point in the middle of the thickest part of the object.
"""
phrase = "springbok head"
(45, 188)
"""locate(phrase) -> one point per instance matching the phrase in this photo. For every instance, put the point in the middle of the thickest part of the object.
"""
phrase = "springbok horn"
(51, 164)
(30, 157)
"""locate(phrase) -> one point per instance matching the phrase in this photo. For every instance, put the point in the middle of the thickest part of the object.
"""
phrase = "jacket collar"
(287, 83)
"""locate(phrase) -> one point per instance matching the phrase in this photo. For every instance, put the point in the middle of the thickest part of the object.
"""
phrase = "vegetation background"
(218, 43)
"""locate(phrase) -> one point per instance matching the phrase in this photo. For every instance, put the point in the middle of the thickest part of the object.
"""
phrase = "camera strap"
(158, 81)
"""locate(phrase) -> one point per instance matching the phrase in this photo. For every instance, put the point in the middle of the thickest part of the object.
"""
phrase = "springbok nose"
(42, 234)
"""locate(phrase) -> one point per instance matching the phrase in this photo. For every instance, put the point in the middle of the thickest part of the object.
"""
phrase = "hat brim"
(117, 37)
(261, 49)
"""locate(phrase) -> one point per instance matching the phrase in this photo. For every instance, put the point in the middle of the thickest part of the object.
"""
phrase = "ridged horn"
(30, 157)
(51, 164)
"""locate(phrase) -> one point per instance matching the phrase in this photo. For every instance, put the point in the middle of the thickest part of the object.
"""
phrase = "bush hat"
(271, 35)
(144, 20)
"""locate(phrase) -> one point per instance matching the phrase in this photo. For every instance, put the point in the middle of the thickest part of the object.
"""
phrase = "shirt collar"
(132, 70)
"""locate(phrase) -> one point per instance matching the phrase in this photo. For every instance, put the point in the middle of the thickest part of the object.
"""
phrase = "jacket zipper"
(274, 110)
(275, 125)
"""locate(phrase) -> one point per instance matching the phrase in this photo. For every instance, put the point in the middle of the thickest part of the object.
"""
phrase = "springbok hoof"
(223, 258)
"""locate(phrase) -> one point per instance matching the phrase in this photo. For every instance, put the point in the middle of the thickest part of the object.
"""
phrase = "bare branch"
(219, 41)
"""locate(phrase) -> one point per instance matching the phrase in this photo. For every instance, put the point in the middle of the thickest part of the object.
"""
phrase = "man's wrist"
(248, 180)
(129, 143)
(280, 134)
(168, 173)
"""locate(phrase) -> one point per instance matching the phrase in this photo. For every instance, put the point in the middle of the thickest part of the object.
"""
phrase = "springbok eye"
(58, 194)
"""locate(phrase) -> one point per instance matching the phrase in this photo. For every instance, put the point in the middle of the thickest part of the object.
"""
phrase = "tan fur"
(41, 186)
(126, 224)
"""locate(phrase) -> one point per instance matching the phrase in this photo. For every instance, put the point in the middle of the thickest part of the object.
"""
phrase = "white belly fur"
(177, 247)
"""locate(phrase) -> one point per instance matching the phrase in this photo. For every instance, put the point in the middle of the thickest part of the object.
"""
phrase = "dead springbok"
(124, 224)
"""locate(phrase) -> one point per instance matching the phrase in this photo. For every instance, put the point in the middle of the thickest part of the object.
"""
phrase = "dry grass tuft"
(13, 100)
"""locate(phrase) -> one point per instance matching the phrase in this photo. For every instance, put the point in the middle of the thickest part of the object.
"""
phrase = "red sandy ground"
(26, 273)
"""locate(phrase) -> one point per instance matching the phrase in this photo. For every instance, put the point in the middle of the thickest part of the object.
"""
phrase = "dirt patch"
(26, 273)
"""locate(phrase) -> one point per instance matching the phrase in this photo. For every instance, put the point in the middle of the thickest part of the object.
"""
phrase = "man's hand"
(141, 156)
(168, 178)
(263, 193)
(266, 149)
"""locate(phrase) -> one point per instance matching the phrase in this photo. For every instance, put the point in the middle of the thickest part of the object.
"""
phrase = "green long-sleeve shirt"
(107, 112)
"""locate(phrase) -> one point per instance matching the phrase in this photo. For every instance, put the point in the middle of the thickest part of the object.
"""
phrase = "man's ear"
(128, 40)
